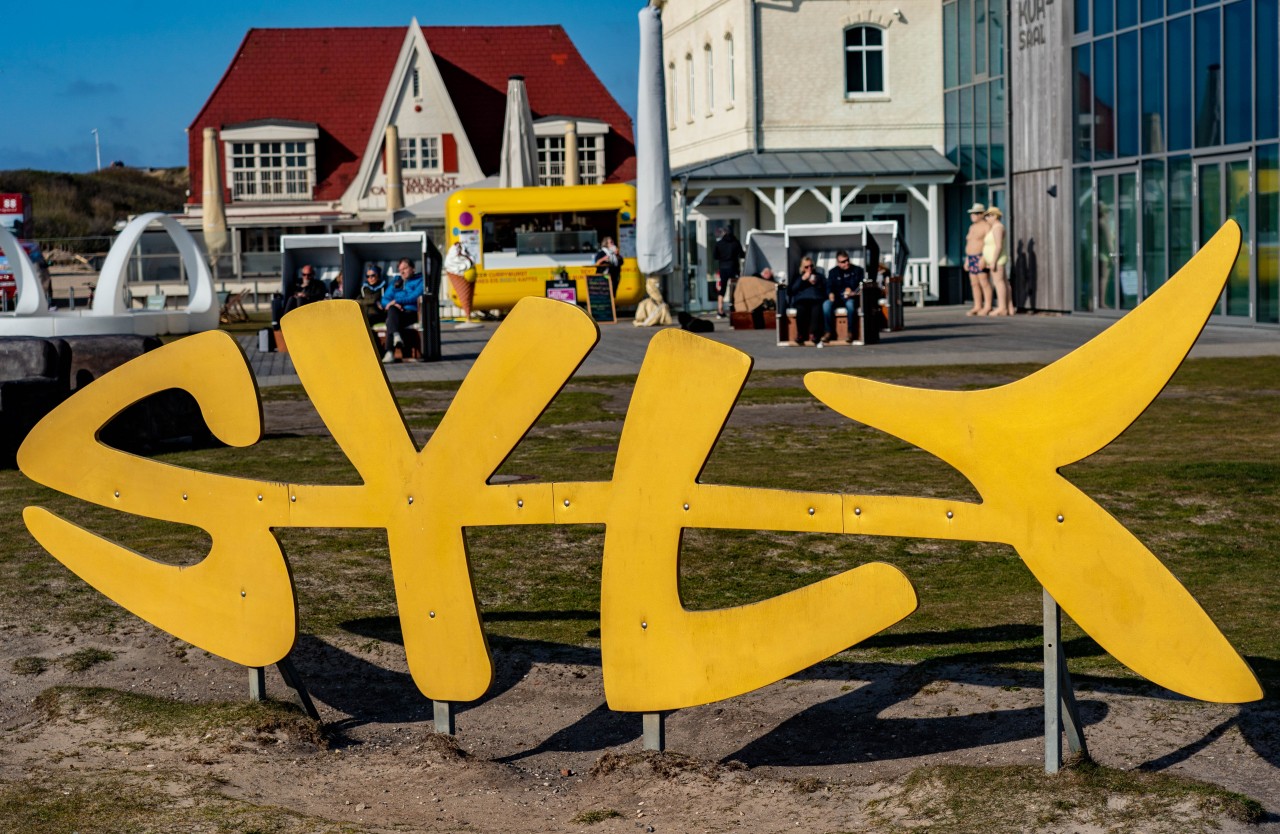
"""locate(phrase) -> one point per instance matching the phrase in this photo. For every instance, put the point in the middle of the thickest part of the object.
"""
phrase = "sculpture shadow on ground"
(848, 729)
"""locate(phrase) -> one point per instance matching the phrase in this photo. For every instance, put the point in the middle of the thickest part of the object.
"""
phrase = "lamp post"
(97, 147)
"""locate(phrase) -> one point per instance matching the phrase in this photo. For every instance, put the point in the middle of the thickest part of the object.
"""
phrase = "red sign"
(12, 204)
(8, 285)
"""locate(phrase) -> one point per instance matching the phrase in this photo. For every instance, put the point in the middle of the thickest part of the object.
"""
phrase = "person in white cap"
(995, 258)
(978, 278)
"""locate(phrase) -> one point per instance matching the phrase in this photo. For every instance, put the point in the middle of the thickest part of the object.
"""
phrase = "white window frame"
(692, 87)
(673, 109)
(421, 154)
(864, 51)
(270, 161)
(592, 136)
(709, 60)
(732, 70)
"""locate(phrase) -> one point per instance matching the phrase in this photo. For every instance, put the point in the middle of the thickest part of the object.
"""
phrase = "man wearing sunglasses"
(844, 284)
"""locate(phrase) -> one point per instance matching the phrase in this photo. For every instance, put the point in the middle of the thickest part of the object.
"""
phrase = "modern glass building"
(974, 39)
(1135, 129)
(1175, 122)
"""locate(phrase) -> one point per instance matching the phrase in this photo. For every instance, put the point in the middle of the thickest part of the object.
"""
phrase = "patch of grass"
(593, 817)
(1021, 798)
(30, 665)
(86, 658)
(265, 721)
(52, 802)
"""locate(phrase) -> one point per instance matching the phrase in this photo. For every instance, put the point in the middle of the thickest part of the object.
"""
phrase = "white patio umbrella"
(655, 223)
(214, 214)
(519, 146)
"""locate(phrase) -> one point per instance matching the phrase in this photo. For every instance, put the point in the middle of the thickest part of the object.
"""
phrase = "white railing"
(920, 282)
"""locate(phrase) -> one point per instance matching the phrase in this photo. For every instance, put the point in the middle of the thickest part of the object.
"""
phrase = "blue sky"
(140, 71)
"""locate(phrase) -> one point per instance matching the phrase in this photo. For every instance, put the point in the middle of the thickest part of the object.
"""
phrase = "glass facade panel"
(1082, 103)
(950, 56)
(965, 52)
(1266, 100)
(1127, 102)
(1237, 80)
(1126, 13)
(1210, 188)
(1108, 253)
(1152, 9)
(966, 133)
(1178, 130)
(1084, 238)
(1104, 109)
(953, 126)
(995, 34)
(1208, 79)
(1103, 16)
(997, 129)
(1238, 190)
(1181, 213)
(1082, 16)
(1127, 240)
(1152, 127)
(980, 36)
(1176, 6)
(1267, 234)
(981, 108)
(1154, 269)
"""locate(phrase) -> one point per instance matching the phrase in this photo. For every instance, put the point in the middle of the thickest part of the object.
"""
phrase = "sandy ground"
(810, 753)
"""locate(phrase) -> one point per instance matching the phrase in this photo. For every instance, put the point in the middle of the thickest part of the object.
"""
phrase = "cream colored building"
(805, 111)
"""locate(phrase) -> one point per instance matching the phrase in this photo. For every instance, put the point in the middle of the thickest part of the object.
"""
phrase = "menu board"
(562, 289)
(627, 241)
(600, 299)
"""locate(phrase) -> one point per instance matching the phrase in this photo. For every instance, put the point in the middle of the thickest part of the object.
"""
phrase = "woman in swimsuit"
(995, 256)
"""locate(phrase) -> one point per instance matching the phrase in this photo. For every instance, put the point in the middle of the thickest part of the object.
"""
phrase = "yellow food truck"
(521, 238)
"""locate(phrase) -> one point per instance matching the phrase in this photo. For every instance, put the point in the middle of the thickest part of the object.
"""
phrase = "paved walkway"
(933, 336)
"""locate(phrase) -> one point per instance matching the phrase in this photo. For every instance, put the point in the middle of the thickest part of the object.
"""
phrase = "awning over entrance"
(918, 165)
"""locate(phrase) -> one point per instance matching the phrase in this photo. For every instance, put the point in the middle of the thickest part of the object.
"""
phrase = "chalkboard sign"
(562, 289)
(600, 298)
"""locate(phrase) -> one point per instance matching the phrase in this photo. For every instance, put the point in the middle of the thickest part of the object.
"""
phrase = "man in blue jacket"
(400, 300)
(844, 283)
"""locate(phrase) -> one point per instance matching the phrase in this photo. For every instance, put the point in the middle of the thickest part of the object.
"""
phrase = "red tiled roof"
(334, 77)
(476, 61)
(337, 78)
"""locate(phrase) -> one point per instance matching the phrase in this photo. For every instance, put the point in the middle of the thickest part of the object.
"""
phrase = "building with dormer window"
(302, 117)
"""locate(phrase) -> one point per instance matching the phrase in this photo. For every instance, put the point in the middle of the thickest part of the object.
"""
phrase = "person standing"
(400, 300)
(995, 257)
(978, 228)
(844, 284)
(729, 256)
(609, 262)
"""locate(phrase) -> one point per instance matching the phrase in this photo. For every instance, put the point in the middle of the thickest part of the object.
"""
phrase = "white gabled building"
(806, 111)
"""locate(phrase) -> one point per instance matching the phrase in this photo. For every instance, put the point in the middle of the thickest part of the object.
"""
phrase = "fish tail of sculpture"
(1127, 600)
(1066, 411)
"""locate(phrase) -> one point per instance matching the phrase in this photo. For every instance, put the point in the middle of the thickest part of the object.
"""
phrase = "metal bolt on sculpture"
(238, 601)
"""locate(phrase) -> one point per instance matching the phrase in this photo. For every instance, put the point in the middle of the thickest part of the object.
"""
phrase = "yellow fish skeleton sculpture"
(1009, 442)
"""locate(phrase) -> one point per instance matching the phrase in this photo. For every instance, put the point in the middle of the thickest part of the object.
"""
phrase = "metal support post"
(444, 717)
(655, 731)
(257, 683)
(1061, 713)
(294, 681)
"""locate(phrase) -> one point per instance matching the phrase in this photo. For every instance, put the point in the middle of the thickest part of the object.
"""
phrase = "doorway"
(702, 254)
(1117, 270)
(1224, 188)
